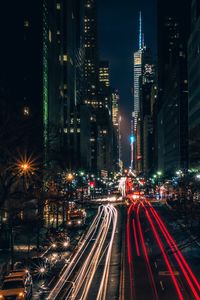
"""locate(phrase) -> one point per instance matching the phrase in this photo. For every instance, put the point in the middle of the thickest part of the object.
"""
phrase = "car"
(76, 222)
(20, 274)
(61, 242)
(15, 289)
(38, 265)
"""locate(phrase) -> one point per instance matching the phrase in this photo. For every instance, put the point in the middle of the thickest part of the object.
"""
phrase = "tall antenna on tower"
(140, 30)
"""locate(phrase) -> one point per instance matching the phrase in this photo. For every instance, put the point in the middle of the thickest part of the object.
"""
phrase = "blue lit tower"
(137, 63)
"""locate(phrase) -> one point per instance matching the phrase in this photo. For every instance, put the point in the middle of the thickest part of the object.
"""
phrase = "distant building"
(144, 77)
(96, 138)
(116, 119)
(194, 87)
(91, 67)
(104, 85)
(115, 108)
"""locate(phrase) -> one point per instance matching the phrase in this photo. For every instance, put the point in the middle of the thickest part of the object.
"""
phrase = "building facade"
(194, 87)
(173, 32)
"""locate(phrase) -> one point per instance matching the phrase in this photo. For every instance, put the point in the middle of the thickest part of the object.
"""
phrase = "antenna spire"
(140, 30)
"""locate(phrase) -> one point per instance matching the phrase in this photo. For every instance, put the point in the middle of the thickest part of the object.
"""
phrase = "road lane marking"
(167, 273)
(162, 286)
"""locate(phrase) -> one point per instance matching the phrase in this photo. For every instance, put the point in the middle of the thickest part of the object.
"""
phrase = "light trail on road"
(165, 257)
(68, 269)
(129, 252)
(86, 274)
(95, 248)
(187, 272)
(146, 256)
(104, 281)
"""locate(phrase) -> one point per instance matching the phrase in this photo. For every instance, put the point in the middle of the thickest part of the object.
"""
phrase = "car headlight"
(1, 296)
(21, 295)
(65, 244)
(55, 255)
(79, 222)
(69, 222)
(42, 270)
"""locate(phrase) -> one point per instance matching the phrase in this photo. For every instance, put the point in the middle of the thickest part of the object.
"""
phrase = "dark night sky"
(118, 38)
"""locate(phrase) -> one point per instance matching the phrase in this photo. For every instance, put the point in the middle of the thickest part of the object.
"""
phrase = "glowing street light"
(25, 167)
(70, 176)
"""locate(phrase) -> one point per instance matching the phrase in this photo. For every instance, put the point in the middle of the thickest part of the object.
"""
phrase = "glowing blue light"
(132, 139)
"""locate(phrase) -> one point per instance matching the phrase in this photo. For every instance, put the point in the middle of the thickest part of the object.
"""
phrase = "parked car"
(16, 288)
(20, 274)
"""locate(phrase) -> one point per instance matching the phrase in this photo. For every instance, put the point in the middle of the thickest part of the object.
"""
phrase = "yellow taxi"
(16, 288)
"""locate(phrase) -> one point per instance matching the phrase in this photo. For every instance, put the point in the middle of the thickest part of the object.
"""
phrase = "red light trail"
(144, 248)
(177, 254)
(130, 259)
(180, 295)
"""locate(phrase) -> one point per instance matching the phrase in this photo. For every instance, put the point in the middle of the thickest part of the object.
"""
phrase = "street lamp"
(70, 177)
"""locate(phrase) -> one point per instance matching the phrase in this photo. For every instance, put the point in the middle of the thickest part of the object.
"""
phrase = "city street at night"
(100, 150)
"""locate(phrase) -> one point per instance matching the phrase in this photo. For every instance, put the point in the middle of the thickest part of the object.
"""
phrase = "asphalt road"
(154, 267)
(127, 252)
(87, 274)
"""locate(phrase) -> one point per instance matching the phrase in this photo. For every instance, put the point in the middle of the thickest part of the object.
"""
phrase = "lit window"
(58, 6)
(50, 37)
(26, 111)
(26, 23)
(65, 130)
(65, 57)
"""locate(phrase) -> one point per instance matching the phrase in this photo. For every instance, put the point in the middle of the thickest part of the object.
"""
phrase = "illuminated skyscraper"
(32, 27)
(137, 61)
(116, 120)
(115, 108)
(104, 73)
(104, 85)
(91, 70)
(46, 35)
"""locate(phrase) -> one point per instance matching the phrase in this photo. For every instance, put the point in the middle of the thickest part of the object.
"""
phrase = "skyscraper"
(95, 116)
(137, 61)
(44, 77)
(31, 97)
(104, 85)
(172, 102)
(91, 69)
(194, 87)
(116, 119)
